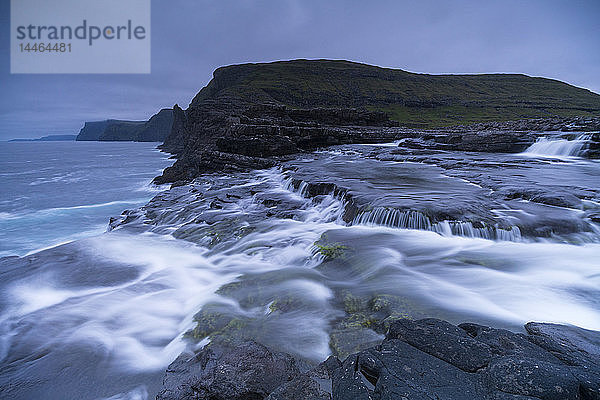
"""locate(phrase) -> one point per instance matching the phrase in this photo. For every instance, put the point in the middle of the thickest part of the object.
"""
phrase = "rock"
(576, 347)
(349, 381)
(444, 341)
(397, 370)
(313, 385)
(491, 141)
(529, 377)
(424, 359)
(539, 195)
(247, 371)
(506, 343)
(571, 339)
(303, 387)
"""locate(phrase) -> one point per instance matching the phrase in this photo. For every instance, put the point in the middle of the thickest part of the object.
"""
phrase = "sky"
(557, 39)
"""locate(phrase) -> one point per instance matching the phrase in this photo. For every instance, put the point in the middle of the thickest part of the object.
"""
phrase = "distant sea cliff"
(155, 129)
(49, 138)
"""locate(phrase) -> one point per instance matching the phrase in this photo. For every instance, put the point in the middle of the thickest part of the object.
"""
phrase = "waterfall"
(559, 147)
(410, 219)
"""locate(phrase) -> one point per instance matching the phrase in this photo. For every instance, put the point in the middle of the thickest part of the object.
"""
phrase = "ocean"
(56, 192)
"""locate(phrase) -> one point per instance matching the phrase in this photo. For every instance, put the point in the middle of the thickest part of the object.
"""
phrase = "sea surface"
(287, 256)
(55, 192)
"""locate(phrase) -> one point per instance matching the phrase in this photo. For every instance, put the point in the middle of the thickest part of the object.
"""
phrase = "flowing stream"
(310, 258)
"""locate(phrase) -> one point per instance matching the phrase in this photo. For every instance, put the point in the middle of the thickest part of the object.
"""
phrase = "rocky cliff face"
(156, 129)
(215, 135)
(249, 114)
(116, 131)
(92, 131)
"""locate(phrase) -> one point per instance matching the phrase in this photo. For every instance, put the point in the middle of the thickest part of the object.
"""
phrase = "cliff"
(156, 129)
(49, 138)
(250, 113)
(409, 98)
(92, 131)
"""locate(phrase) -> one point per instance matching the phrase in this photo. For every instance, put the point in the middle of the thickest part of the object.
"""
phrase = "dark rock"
(425, 359)
(397, 370)
(571, 338)
(534, 378)
(303, 387)
(349, 381)
(576, 347)
(541, 196)
(257, 146)
(444, 341)
(315, 384)
(506, 343)
(491, 141)
(248, 371)
(210, 161)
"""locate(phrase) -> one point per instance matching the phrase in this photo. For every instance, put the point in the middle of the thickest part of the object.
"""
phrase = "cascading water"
(411, 219)
(559, 146)
(274, 256)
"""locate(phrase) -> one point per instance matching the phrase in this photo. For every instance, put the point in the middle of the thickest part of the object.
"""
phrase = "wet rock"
(503, 342)
(541, 196)
(303, 387)
(346, 341)
(532, 377)
(349, 382)
(570, 338)
(397, 370)
(248, 371)
(315, 384)
(491, 141)
(444, 341)
(576, 347)
(424, 359)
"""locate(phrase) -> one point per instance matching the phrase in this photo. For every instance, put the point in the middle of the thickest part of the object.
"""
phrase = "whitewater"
(488, 238)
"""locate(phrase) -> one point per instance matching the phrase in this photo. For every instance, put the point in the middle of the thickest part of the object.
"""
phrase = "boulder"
(248, 371)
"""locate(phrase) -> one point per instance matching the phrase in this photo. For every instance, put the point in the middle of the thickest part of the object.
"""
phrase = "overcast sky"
(551, 38)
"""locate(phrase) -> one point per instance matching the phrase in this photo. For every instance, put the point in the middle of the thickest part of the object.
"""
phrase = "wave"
(61, 210)
(66, 178)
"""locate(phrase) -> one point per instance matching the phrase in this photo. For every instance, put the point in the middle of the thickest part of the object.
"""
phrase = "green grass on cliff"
(411, 99)
(418, 117)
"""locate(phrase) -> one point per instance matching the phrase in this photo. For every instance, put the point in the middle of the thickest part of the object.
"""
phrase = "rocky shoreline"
(424, 359)
(251, 114)
(419, 358)
(239, 124)
(210, 137)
